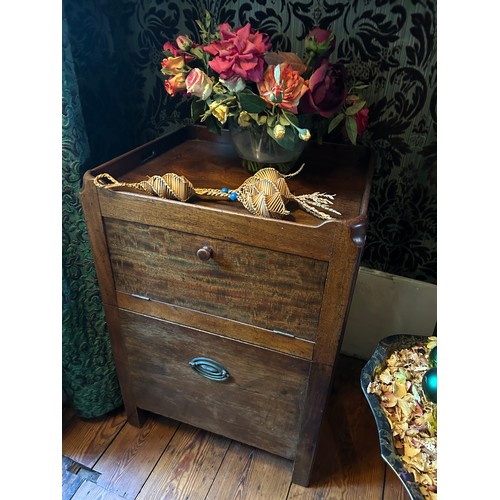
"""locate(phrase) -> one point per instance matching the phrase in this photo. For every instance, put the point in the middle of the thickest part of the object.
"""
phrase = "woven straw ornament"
(265, 194)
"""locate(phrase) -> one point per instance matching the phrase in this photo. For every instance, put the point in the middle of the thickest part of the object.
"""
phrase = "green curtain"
(88, 373)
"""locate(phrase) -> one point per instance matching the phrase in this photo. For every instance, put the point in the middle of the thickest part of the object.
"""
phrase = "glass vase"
(257, 149)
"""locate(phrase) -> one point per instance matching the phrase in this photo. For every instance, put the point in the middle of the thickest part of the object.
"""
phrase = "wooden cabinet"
(218, 318)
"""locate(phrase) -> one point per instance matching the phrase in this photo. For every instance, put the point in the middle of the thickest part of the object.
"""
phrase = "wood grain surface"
(260, 403)
(272, 290)
(199, 465)
(289, 279)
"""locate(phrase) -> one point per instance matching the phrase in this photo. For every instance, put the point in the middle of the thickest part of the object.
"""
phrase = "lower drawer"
(259, 403)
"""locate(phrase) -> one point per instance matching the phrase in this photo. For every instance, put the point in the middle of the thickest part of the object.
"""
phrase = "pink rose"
(327, 90)
(184, 43)
(239, 53)
(199, 84)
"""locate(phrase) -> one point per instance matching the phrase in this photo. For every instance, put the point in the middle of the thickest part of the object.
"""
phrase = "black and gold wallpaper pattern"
(116, 49)
(390, 44)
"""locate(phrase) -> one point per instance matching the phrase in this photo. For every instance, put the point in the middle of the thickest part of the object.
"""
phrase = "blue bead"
(233, 196)
(225, 190)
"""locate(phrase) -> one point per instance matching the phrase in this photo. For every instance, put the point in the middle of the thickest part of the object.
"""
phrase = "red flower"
(170, 47)
(239, 53)
(171, 50)
(361, 118)
(327, 90)
(320, 42)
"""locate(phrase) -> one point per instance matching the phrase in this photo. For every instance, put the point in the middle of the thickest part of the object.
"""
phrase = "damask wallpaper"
(391, 44)
(116, 47)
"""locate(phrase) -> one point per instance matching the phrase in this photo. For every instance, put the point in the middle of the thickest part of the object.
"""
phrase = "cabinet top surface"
(210, 161)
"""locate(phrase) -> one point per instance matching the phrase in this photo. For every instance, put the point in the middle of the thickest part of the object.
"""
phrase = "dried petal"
(412, 419)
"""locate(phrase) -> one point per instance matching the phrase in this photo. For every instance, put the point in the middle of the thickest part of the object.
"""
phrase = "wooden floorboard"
(91, 491)
(85, 441)
(167, 460)
(128, 461)
(188, 466)
(250, 473)
(393, 489)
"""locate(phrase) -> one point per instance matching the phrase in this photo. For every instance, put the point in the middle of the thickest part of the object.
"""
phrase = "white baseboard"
(385, 304)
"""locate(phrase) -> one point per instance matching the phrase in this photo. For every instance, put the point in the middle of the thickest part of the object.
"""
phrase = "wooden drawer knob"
(205, 253)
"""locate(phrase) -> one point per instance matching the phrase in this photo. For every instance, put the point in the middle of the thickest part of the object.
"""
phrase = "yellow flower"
(304, 134)
(244, 119)
(279, 131)
(220, 111)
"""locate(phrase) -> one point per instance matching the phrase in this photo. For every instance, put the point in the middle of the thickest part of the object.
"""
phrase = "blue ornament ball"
(433, 356)
(430, 384)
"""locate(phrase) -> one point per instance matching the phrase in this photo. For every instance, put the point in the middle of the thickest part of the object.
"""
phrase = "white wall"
(385, 304)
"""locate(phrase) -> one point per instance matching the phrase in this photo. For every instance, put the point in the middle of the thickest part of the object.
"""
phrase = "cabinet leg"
(135, 416)
(303, 465)
(319, 379)
(301, 478)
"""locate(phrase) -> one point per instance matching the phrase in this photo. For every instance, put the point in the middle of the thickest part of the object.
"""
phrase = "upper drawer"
(269, 289)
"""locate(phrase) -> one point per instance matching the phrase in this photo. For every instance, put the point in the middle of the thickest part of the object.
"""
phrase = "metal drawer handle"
(205, 253)
(209, 368)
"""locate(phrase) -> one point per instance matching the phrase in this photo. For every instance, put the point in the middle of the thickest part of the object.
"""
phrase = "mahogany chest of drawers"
(218, 318)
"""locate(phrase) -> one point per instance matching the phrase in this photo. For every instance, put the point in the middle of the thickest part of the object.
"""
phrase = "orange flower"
(283, 86)
(176, 83)
(173, 65)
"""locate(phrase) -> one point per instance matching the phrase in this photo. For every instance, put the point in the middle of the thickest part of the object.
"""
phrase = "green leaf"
(351, 128)
(283, 121)
(293, 118)
(352, 110)
(213, 125)
(277, 74)
(252, 103)
(197, 52)
(360, 86)
(271, 121)
(335, 122)
(197, 109)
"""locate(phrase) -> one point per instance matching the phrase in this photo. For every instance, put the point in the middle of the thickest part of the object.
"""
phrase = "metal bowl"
(375, 365)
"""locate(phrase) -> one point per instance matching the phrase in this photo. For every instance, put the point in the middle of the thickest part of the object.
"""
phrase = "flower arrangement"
(233, 75)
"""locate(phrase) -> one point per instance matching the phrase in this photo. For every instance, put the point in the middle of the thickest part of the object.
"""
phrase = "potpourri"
(412, 417)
